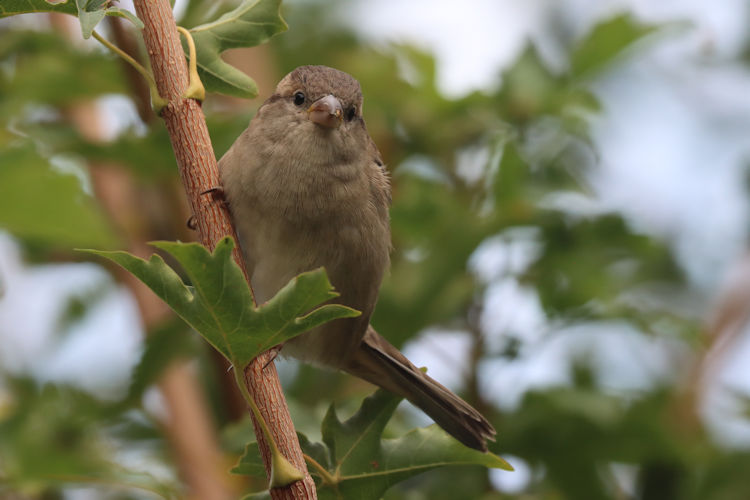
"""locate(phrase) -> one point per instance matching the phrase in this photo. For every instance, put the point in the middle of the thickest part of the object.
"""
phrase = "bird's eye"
(299, 98)
(350, 113)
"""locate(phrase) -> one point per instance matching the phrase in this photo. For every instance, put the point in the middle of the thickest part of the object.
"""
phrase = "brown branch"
(192, 435)
(192, 146)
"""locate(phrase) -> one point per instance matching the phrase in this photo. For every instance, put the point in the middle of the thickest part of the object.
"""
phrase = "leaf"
(42, 71)
(165, 344)
(14, 7)
(91, 12)
(52, 436)
(363, 465)
(587, 264)
(40, 205)
(605, 42)
(219, 305)
(251, 463)
(252, 23)
(149, 154)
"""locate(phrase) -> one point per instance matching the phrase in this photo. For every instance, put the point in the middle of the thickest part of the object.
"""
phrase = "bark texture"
(192, 147)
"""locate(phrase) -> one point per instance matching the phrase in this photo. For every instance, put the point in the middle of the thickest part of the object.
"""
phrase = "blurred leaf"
(529, 89)
(252, 23)
(202, 11)
(605, 42)
(162, 346)
(591, 261)
(251, 463)
(41, 72)
(53, 435)
(41, 205)
(80, 303)
(91, 12)
(148, 155)
(364, 465)
(431, 283)
(15, 7)
(219, 304)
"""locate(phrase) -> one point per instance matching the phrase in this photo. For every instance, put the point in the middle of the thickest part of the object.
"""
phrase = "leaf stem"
(195, 89)
(324, 474)
(157, 102)
(283, 472)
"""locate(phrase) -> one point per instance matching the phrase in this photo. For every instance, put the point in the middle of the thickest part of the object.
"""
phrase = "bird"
(307, 188)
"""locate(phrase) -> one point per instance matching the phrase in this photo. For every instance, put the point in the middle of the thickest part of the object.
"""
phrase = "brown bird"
(307, 188)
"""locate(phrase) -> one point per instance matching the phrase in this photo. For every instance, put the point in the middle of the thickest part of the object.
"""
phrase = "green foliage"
(218, 304)
(47, 207)
(15, 7)
(605, 42)
(89, 12)
(360, 464)
(252, 23)
(528, 149)
(41, 72)
(593, 261)
(162, 346)
(56, 434)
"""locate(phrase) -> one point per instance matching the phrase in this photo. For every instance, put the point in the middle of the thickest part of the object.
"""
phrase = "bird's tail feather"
(378, 362)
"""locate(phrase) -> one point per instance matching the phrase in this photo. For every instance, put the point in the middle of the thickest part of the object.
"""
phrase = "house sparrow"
(307, 188)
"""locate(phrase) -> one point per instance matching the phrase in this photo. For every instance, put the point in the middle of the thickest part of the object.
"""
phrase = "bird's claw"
(216, 192)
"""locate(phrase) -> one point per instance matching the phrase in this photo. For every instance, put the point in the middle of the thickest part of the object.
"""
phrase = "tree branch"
(192, 146)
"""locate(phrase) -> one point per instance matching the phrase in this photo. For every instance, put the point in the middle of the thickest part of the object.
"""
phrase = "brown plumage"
(307, 188)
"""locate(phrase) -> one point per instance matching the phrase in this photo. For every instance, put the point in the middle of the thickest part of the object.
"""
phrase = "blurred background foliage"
(499, 175)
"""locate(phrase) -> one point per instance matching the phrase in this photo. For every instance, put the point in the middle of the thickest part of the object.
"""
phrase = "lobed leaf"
(252, 23)
(89, 12)
(219, 304)
(363, 465)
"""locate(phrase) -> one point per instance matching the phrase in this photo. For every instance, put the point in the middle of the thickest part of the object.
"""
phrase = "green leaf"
(363, 465)
(91, 12)
(14, 7)
(219, 306)
(125, 14)
(587, 264)
(605, 42)
(51, 437)
(252, 23)
(42, 72)
(41, 205)
(163, 345)
(149, 154)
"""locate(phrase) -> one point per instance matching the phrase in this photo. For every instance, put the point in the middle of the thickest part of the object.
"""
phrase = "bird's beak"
(326, 112)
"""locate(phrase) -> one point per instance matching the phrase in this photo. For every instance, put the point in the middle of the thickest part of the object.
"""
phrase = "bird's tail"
(379, 363)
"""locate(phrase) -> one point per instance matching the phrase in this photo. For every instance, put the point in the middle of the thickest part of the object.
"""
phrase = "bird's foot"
(216, 192)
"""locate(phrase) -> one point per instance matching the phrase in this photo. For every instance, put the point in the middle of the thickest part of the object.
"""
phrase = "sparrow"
(307, 188)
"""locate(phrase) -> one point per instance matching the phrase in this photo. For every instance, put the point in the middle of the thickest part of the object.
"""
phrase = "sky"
(673, 142)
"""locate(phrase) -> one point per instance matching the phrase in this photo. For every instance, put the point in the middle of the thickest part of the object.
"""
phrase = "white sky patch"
(471, 40)
(95, 354)
(674, 171)
(512, 483)
(623, 361)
